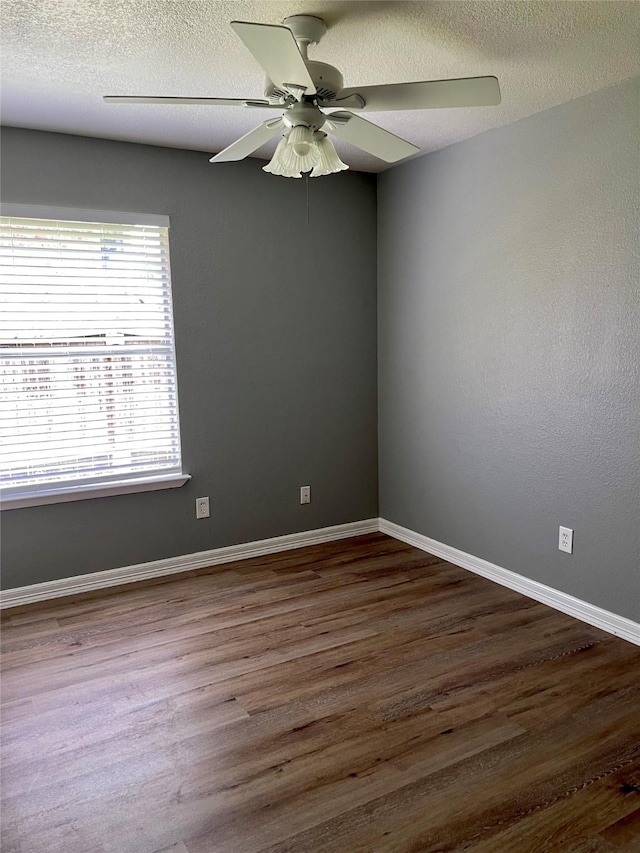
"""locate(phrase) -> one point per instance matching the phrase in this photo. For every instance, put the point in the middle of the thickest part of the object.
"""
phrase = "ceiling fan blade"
(277, 52)
(363, 134)
(223, 102)
(432, 94)
(251, 141)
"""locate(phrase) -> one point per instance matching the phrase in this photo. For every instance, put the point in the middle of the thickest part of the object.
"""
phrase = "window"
(88, 401)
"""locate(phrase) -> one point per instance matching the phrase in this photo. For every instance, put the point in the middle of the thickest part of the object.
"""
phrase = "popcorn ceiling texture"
(61, 56)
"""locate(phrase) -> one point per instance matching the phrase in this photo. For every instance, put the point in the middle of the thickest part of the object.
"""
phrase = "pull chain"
(306, 180)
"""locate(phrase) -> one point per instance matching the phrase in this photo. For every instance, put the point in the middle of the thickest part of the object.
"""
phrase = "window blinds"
(87, 358)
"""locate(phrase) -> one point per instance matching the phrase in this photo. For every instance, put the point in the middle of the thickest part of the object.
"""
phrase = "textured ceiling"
(60, 56)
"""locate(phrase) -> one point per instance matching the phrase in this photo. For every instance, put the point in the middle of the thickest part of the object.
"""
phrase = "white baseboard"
(184, 563)
(589, 613)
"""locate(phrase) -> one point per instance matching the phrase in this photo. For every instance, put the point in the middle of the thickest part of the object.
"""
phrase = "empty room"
(320, 426)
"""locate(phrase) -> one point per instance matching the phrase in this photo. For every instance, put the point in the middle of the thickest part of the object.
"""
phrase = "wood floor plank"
(470, 799)
(626, 829)
(353, 696)
(570, 821)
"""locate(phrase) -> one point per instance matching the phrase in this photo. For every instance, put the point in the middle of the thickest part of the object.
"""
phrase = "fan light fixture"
(303, 88)
(302, 150)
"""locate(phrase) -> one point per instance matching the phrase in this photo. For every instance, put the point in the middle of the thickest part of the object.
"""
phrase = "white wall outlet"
(305, 494)
(565, 540)
(202, 507)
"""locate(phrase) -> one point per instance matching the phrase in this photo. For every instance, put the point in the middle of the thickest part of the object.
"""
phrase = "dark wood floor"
(354, 696)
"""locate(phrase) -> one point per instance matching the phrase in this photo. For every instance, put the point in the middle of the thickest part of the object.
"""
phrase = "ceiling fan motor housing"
(327, 80)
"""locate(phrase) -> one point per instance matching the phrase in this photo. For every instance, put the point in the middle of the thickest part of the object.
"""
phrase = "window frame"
(106, 486)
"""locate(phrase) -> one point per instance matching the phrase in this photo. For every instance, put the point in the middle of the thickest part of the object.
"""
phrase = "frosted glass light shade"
(287, 162)
(304, 151)
(301, 140)
(328, 160)
(283, 162)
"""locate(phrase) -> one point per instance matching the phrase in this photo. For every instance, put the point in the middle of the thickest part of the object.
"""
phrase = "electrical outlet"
(565, 540)
(305, 494)
(202, 507)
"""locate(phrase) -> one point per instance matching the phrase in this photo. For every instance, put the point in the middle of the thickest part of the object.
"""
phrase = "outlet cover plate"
(565, 540)
(202, 508)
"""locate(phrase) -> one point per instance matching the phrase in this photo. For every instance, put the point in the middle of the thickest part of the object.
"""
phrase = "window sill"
(93, 490)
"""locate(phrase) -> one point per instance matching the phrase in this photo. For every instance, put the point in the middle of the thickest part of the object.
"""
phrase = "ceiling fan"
(303, 88)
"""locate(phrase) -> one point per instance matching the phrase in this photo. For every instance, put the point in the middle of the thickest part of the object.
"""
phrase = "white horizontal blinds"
(86, 353)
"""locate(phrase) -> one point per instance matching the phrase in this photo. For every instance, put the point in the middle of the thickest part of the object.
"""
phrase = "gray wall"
(276, 349)
(509, 335)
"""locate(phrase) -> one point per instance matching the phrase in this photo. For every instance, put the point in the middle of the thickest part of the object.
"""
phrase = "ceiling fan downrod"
(307, 30)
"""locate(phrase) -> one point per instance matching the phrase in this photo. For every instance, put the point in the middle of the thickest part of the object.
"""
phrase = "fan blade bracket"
(352, 102)
(336, 119)
(296, 90)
